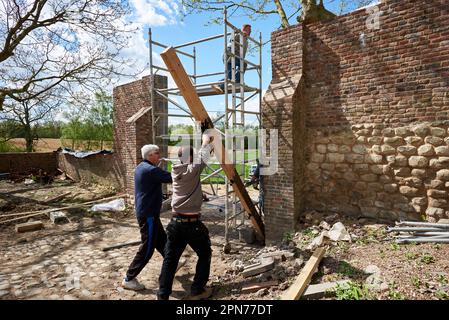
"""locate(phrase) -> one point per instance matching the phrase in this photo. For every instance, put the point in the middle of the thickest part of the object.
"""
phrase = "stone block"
(418, 162)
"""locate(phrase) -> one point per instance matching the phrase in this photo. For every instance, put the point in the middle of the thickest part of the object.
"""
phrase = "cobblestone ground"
(67, 262)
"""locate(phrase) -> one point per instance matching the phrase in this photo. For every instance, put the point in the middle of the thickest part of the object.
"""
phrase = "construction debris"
(337, 233)
(301, 282)
(421, 232)
(263, 265)
(29, 226)
(58, 217)
(278, 255)
(56, 198)
(114, 205)
(29, 214)
(317, 291)
(253, 287)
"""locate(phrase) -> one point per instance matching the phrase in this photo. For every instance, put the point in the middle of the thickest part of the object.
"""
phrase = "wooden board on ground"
(29, 226)
(297, 288)
(200, 114)
(121, 245)
(253, 287)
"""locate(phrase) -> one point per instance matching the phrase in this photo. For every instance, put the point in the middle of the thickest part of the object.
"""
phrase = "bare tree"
(285, 9)
(27, 113)
(58, 44)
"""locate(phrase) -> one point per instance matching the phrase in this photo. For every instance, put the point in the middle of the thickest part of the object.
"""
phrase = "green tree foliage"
(89, 121)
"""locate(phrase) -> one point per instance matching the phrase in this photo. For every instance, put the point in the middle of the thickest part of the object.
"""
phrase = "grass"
(411, 255)
(416, 282)
(352, 291)
(393, 294)
(288, 236)
(394, 246)
(427, 258)
(308, 232)
(443, 280)
(442, 295)
(6, 146)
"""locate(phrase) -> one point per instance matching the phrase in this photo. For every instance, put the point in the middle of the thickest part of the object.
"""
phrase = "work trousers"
(179, 235)
(153, 236)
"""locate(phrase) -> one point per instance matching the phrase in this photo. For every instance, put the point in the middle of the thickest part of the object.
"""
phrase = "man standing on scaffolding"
(246, 31)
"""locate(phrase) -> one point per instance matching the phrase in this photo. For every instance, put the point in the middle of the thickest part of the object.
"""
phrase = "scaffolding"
(234, 103)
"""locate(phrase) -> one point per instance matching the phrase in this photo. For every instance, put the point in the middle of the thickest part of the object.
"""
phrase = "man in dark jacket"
(148, 179)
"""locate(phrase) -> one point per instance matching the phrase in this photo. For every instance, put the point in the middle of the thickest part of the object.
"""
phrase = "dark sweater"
(148, 180)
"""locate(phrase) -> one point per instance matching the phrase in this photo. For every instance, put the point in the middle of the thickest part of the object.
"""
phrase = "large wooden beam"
(200, 114)
(302, 281)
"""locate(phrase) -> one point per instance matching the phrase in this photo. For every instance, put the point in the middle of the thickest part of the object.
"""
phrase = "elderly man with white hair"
(148, 179)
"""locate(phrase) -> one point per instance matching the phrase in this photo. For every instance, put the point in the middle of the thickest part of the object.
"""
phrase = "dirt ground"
(66, 261)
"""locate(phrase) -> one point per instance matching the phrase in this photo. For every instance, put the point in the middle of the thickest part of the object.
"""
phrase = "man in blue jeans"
(148, 179)
(186, 228)
(238, 42)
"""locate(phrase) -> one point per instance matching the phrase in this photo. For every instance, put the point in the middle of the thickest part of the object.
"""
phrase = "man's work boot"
(204, 294)
(132, 285)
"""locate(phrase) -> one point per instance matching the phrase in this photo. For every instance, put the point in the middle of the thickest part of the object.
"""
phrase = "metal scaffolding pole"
(234, 103)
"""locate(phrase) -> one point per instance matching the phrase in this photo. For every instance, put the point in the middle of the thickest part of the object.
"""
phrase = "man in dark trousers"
(148, 179)
(186, 228)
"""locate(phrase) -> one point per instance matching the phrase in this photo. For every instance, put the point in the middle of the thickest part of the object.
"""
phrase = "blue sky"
(164, 19)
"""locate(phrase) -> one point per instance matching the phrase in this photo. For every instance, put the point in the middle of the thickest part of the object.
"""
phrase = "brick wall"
(281, 110)
(354, 115)
(130, 137)
(99, 168)
(24, 161)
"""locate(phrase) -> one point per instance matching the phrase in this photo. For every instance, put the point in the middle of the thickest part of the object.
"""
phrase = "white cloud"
(154, 12)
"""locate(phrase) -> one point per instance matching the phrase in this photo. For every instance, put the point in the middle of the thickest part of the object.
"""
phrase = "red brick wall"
(400, 76)
(280, 110)
(23, 161)
(130, 137)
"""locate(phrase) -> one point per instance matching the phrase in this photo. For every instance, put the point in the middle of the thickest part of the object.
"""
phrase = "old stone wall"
(24, 161)
(376, 171)
(369, 114)
(103, 169)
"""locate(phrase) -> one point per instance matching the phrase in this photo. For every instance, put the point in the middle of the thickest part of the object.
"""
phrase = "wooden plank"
(253, 287)
(297, 288)
(200, 114)
(121, 245)
(29, 226)
(56, 197)
(29, 214)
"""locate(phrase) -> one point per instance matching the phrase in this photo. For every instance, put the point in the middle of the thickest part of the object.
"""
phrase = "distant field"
(48, 144)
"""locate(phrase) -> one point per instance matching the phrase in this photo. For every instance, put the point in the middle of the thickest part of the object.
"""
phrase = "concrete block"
(58, 217)
(263, 266)
(316, 291)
